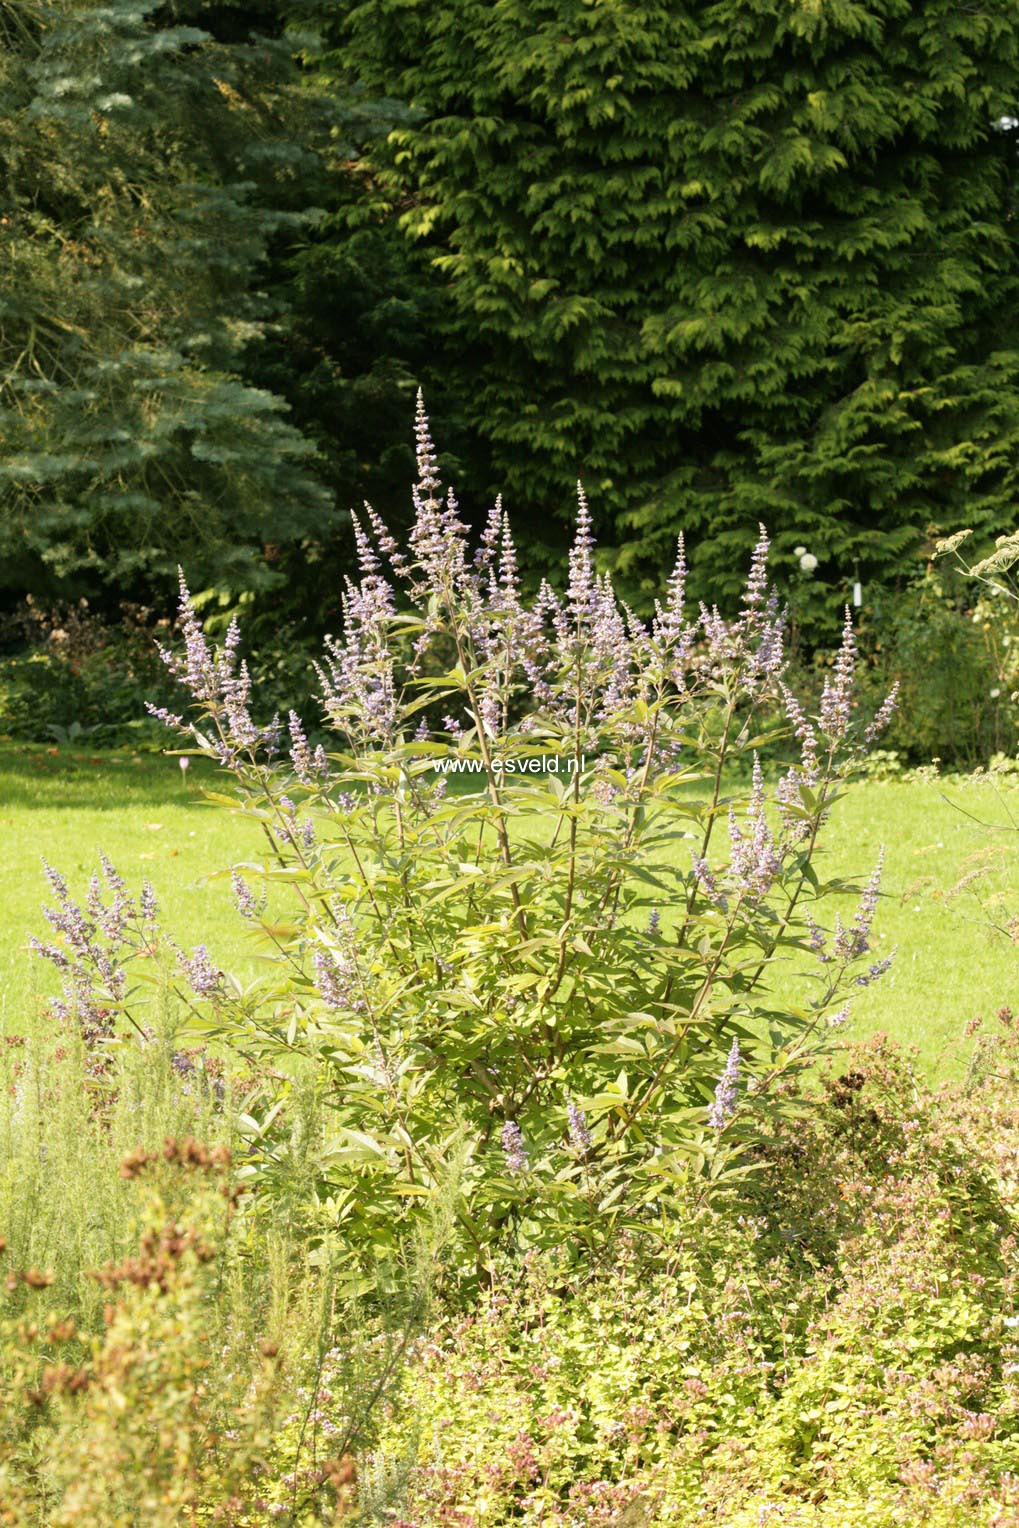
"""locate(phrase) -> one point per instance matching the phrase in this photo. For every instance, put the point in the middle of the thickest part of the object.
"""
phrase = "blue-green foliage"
(146, 166)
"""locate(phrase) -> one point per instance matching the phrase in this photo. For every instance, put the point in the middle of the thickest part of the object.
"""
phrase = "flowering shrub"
(551, 982)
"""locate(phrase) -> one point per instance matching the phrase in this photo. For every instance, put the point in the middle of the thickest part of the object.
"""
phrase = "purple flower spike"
(850, 943)
(428, 467)
(670, 624)
(757, 579)
(817, 941)
(334, 984)
(884, 716)
(513, 1148)
(706, 878)
(509, 579)
(581, 587)
(248, 905)
(205, 979)
(805, 735)
(161, 714)
(308, 766)
(726, 1093)
(148, 904)
(770, 654)
(875, 971)
(756, 863)
(580, 1135)
(836, 698)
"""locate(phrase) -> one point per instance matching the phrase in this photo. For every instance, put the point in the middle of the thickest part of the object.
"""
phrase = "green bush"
(953, 651)
(66, 673)
(955, 655)
(552, 986)
(69, 673)
(834, 1344)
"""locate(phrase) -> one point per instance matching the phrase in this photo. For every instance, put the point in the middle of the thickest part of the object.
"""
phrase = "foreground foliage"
(837, 1344)
(164, 1359)
(833, 1340)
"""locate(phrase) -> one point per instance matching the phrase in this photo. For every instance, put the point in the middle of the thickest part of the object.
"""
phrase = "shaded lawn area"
(67, 805)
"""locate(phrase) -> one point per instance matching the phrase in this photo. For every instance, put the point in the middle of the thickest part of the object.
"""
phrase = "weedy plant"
(216, 1381)
(129, 1421)
(551, 982)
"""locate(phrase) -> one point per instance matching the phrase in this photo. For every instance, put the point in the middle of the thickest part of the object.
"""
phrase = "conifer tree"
(146, 164)
(364, 318)
(730, 261)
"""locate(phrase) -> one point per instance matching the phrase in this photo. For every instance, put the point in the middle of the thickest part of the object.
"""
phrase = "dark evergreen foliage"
(364, 317)
(146, 164)
(727, 261)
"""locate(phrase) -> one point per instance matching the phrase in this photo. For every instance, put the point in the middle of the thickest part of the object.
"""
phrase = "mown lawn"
(67, 805)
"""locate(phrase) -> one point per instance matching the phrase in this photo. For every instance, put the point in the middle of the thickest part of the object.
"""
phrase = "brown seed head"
(36, 1279)
(135, 1163)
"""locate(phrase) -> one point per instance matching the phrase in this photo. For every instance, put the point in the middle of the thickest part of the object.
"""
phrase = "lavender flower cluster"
(755, 861)
(517, 1160)
(248, 904)
(580, 1135)
(583, 662)
(205, 979)
(727, 1091)
(91, 945)
(335, 982)
(220, 685)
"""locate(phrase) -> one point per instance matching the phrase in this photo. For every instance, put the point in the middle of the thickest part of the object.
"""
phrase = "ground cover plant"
(835, 1343)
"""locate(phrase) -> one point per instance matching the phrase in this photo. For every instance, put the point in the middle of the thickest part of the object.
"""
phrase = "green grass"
(950, 965)
(66, 806)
